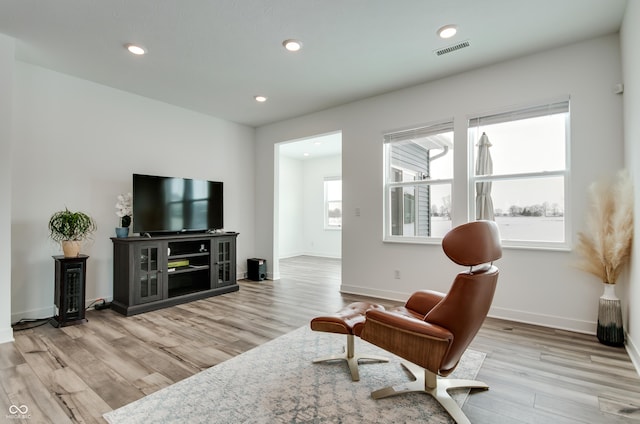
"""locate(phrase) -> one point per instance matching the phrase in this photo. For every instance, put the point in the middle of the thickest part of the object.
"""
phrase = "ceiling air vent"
(453, 48)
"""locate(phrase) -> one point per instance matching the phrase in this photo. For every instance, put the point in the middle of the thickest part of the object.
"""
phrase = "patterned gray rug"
(277, 383)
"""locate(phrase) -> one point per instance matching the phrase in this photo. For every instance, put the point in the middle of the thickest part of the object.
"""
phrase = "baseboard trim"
(290, 255)
(550, 321)
(323, 255)
(315, 254)
(634, 353)
(6, 335)
(40, 313)
(380, 294)
(48, 312)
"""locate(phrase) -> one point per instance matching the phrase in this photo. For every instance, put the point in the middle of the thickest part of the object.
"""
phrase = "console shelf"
(153, 273)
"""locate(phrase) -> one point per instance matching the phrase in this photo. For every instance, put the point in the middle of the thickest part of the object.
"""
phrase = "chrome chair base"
(428, 382)
(351, 358)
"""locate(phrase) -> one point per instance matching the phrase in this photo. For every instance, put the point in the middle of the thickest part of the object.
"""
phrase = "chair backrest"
(466, 305)
(474, 243)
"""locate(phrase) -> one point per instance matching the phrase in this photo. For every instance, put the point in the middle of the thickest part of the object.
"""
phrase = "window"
(332, 203)
(524, 189)
(418, 178)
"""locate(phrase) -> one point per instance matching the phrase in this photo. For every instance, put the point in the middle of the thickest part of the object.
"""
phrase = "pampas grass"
(606, 245)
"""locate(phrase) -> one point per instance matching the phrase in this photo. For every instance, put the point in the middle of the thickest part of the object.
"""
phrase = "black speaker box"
(256, 269)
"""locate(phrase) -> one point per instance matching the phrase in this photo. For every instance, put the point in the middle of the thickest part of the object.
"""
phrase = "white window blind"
(417, 133)
(526, 113)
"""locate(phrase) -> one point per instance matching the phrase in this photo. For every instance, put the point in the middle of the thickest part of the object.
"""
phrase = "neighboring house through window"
(418, 178)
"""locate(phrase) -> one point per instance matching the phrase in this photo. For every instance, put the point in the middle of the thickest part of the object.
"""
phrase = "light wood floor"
(75, 374)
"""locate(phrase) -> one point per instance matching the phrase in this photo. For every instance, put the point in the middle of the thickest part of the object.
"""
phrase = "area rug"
(278, 383)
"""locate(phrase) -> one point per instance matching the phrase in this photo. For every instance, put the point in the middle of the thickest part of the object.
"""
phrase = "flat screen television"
(176, 205)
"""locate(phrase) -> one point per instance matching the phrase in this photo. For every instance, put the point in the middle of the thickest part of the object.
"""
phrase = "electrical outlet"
(396, 274)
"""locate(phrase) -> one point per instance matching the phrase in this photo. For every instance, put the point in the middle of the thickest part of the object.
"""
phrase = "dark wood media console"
(153, 273)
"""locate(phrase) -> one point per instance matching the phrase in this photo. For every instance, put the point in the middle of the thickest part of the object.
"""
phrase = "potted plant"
(71, 228)
(606, 247)
(124, 214)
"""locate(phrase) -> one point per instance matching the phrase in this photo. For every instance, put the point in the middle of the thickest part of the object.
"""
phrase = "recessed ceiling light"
(447, 31)
(292, 45)
(305, 154)
(135, 49)
(260, 99)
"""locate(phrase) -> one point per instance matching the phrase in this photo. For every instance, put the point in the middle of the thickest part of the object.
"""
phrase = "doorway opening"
(308, 198)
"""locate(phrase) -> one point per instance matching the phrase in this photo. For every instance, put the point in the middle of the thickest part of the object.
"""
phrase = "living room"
(544, 75)
(52, 120)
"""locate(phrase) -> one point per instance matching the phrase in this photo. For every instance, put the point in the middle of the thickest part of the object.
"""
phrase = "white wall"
(6, 96)
(301, 206)
(318, 241)
(535, 286)
(291, 216)
(77, 144)
(630, 38)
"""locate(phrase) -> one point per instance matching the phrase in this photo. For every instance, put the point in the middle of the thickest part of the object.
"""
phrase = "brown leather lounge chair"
(432, 330)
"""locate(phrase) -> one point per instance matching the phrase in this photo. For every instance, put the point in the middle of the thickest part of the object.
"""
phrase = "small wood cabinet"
(70, 284)
(153, 273)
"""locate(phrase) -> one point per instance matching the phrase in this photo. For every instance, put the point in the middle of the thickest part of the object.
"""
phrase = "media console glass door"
(226, 261)
(149, 278)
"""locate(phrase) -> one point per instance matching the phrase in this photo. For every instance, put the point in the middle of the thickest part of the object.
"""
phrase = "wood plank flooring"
(75, 374)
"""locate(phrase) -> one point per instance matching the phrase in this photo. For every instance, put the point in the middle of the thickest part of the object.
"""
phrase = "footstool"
(343, 322)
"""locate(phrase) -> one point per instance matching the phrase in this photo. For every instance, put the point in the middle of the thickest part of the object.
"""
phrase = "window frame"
(328, 226)
(524, 112)
(445, 125)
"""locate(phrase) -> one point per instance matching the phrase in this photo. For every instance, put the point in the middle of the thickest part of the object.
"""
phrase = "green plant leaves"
(67, 225)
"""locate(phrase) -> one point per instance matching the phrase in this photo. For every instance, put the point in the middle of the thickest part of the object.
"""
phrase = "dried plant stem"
(606, 245)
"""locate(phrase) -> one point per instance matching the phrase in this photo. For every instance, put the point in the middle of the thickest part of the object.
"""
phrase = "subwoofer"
(256, 269)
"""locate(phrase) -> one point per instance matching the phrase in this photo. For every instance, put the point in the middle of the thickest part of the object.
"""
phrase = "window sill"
(560, 247)
(413, 240)
(506, 245)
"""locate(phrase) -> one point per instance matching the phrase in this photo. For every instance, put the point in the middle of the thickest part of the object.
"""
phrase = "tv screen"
(172, 205)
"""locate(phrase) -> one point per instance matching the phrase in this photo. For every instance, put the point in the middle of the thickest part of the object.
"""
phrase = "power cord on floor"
(94, 302)
(40, 322)
(99, 306)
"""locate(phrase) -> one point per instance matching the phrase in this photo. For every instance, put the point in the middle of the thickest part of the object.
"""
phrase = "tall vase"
(610, 330)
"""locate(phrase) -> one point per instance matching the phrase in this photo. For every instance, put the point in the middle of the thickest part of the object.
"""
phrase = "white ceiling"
(213, 56)
(313, 148)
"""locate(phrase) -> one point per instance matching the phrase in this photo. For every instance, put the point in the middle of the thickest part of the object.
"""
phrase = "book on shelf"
(178, 263)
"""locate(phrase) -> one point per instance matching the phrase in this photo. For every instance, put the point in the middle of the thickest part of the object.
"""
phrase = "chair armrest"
(417, 341)
(405, 323)
(423, 301)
